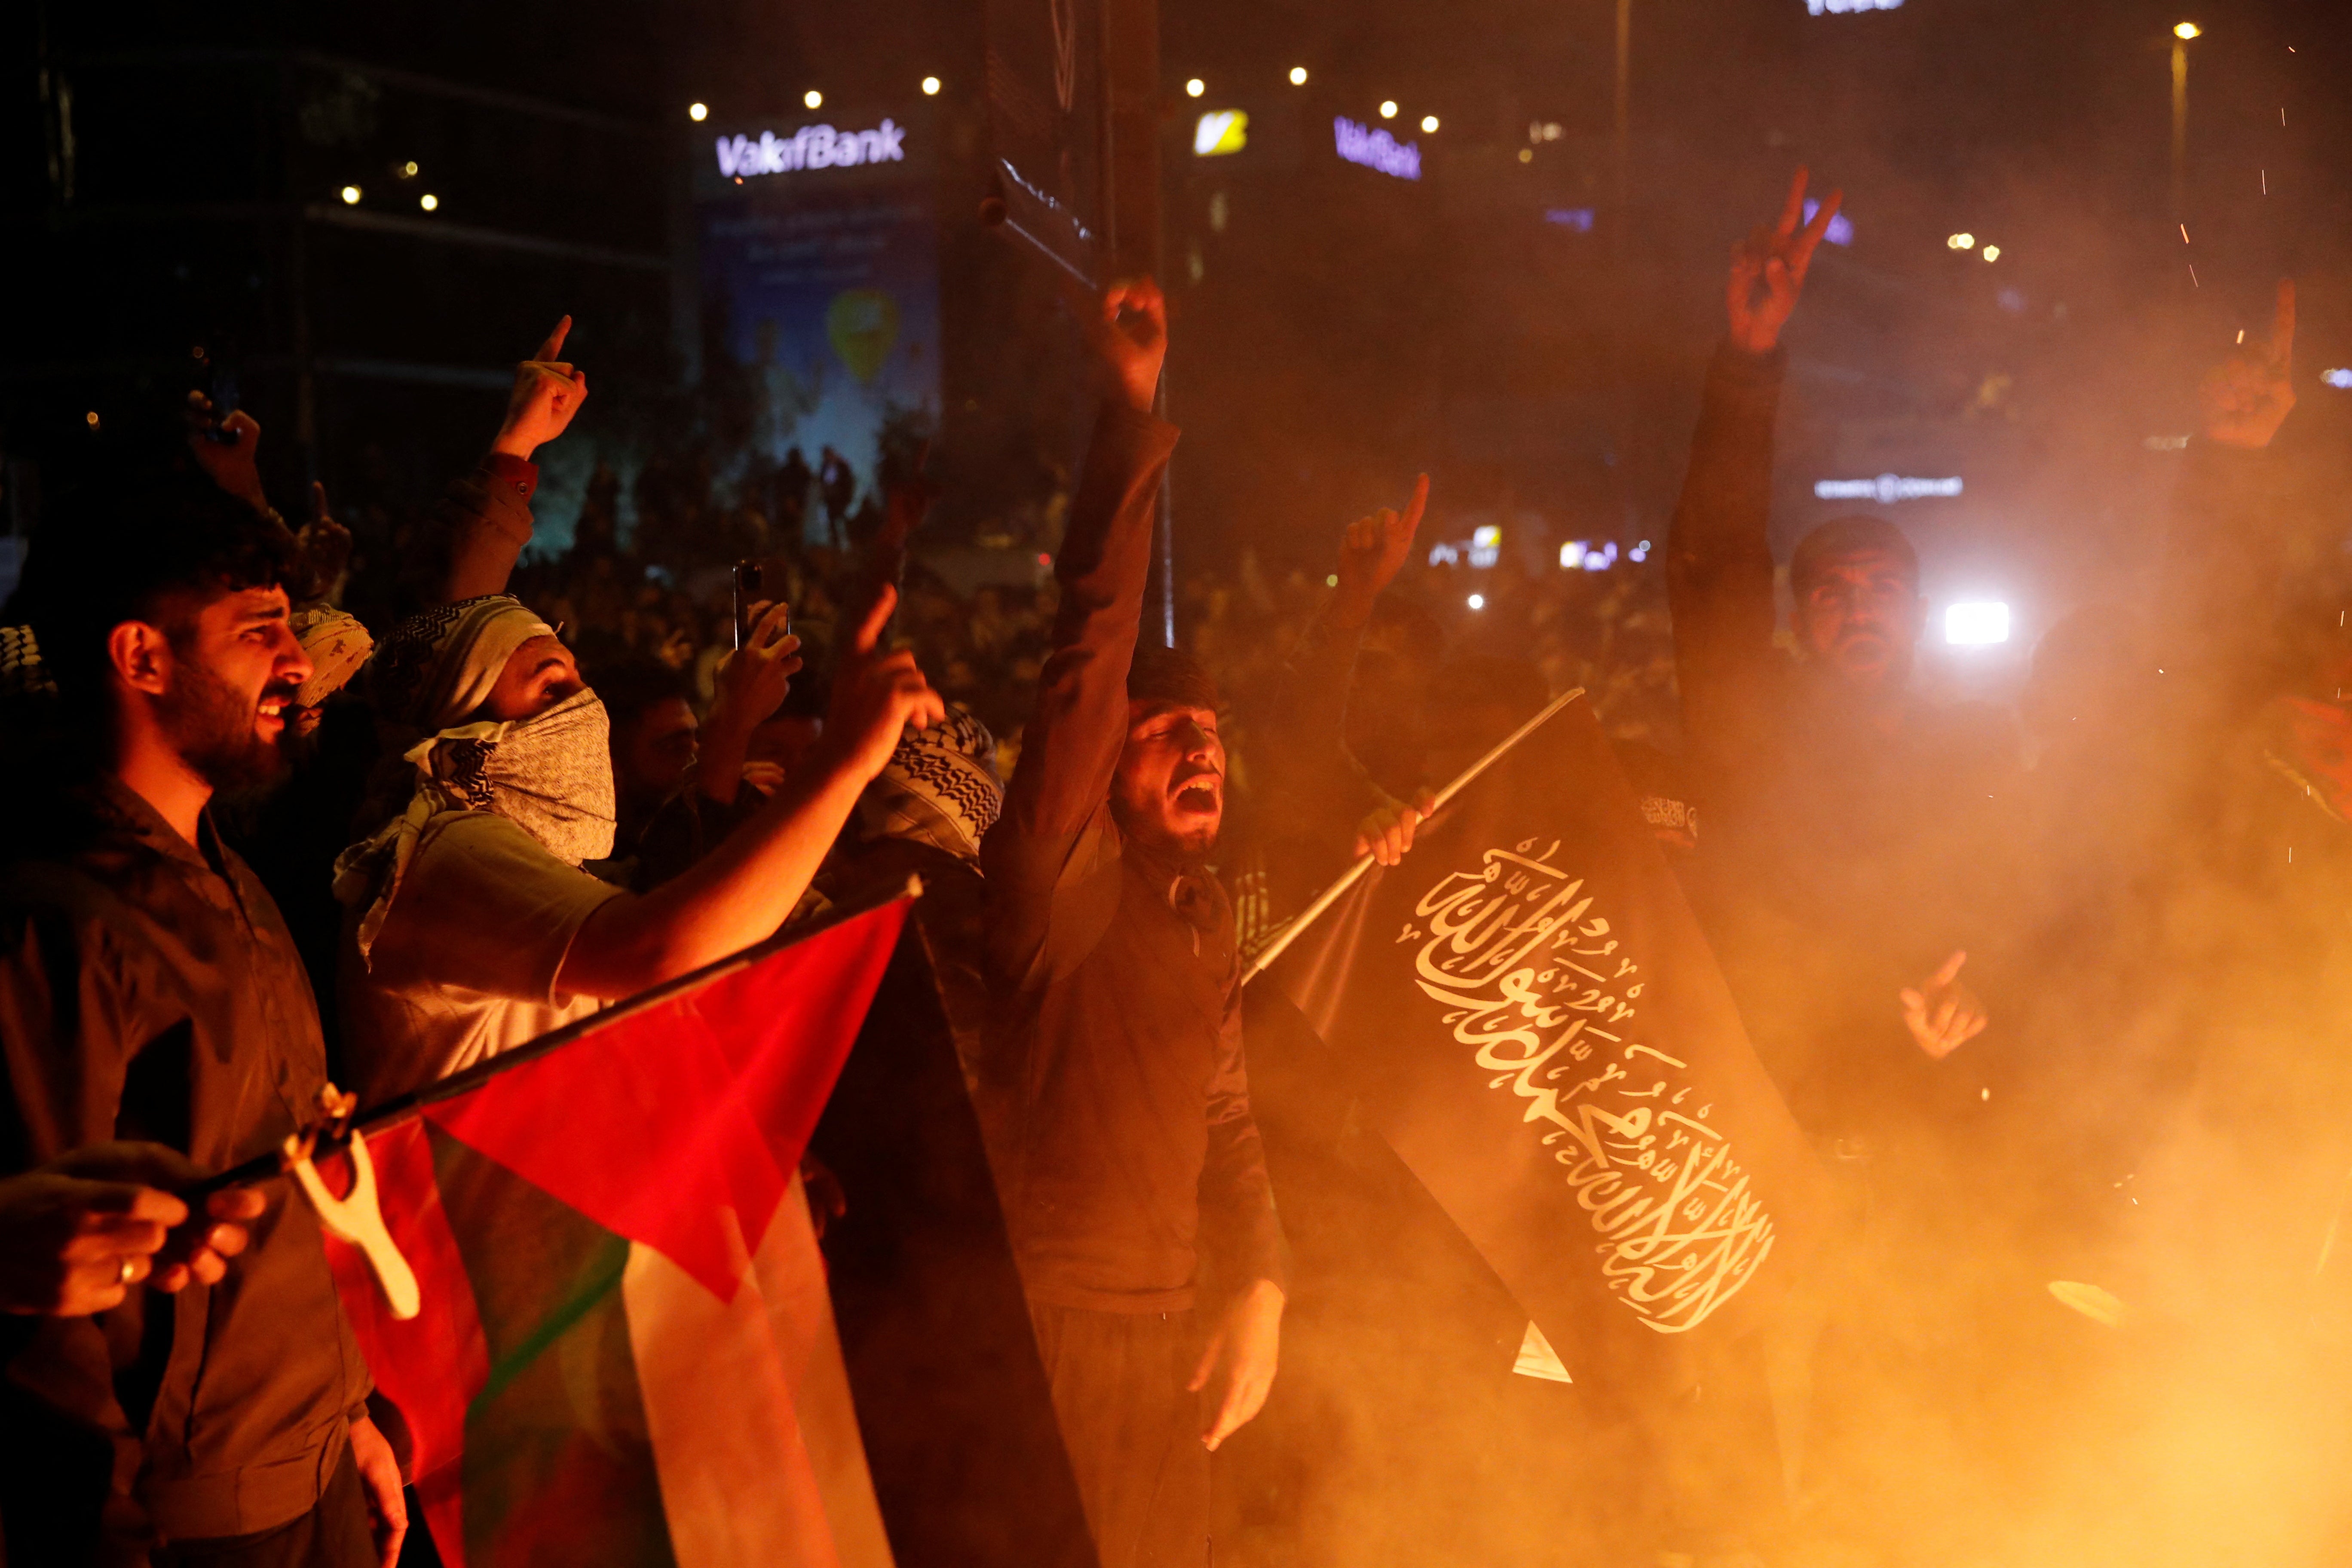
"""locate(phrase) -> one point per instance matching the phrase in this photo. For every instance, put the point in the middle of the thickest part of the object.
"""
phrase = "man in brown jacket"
(1137, 1183)
(149, 990)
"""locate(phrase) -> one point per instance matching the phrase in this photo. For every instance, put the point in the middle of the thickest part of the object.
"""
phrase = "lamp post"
(2181, 33)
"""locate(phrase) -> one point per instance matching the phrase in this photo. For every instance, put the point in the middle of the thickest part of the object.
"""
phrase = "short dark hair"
(1842, 537)
(122, 552)
(1165, 677)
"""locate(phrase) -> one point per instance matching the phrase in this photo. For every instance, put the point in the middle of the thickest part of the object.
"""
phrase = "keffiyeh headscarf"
(338, 645)
(440, 664)
(939, 787)
(551, 774)
(22, 673)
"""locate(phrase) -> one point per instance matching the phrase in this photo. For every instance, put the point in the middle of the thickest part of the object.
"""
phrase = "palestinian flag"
(627, 1353)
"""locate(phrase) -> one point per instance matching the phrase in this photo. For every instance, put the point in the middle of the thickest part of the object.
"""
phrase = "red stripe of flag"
(430, 1365)
(655, 1123)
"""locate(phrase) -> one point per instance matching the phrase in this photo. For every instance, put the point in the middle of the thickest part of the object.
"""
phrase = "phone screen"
(748, 579)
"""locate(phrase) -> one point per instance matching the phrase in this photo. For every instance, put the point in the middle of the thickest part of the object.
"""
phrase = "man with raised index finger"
(1138, 1199)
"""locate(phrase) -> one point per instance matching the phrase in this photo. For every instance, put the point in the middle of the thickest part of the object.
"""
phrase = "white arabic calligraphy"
(1528, 972)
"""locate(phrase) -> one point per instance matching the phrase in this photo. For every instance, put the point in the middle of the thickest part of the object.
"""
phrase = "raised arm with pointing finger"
(1136, 1186)
(481, 526)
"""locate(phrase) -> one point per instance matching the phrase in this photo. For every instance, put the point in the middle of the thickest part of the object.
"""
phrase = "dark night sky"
(1341, 335)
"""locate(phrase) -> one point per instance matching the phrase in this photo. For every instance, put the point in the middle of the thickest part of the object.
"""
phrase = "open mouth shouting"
(270, 713)
(1198, 791)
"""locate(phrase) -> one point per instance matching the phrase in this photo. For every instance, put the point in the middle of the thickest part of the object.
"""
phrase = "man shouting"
(1137, 1188)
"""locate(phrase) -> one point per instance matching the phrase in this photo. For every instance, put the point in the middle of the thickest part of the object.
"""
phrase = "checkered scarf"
(439, 665)
(551, 775)
(939, 787)
(22, 673)
(338, 645)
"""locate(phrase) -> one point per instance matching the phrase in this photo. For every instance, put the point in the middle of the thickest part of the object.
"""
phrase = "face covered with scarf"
(493, 717)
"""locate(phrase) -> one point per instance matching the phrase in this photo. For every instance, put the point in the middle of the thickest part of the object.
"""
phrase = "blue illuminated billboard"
(818, 251)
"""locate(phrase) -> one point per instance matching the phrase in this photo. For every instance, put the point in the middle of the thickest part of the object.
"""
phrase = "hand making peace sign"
(1768, 269)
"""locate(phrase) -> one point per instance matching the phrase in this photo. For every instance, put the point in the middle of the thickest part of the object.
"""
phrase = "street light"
(429, 201)
(351, 195)
(2181, 33)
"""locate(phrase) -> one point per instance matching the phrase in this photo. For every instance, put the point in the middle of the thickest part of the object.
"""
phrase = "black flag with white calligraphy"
(1528, 1012)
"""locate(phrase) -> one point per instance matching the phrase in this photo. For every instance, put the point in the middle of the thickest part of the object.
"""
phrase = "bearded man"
(149, 990)
(1849, 824)
(1136, 1184)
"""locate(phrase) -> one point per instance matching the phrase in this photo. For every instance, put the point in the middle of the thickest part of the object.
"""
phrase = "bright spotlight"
(1963, 240)
(1978, 624)
(429, 201)
(1299, 76)
(1477, 601)
(814, 98)
(930, 86)
(408, 170)
(2187, 30)
(1195, 87)
(697, 111)
(351, 195)
(1388, 108)
(1992, 253)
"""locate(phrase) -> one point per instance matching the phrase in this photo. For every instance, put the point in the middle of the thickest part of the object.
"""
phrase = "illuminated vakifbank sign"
(811, 147)
(1886, 489)
(1376, 149)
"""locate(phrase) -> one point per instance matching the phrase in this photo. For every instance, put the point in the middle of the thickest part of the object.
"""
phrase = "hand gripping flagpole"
(356, 1217)
(1331, 895)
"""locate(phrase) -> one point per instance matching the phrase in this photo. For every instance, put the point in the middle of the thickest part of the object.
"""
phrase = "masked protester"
(1138, 1201)
(470, 926)
(149, 990)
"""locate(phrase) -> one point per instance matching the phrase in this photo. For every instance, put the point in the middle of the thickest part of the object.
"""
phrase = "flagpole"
(1355, 873)
(400, 1108)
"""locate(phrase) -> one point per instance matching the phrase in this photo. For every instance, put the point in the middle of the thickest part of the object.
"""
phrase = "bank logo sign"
(1359, 144)
(1887, 489)
(811, 147)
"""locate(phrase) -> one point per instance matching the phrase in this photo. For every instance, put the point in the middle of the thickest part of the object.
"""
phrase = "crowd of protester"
(258, 841)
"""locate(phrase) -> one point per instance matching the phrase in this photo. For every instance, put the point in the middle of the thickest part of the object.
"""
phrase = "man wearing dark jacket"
(1137, 1188)
(1845, 819)
(149, 990)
